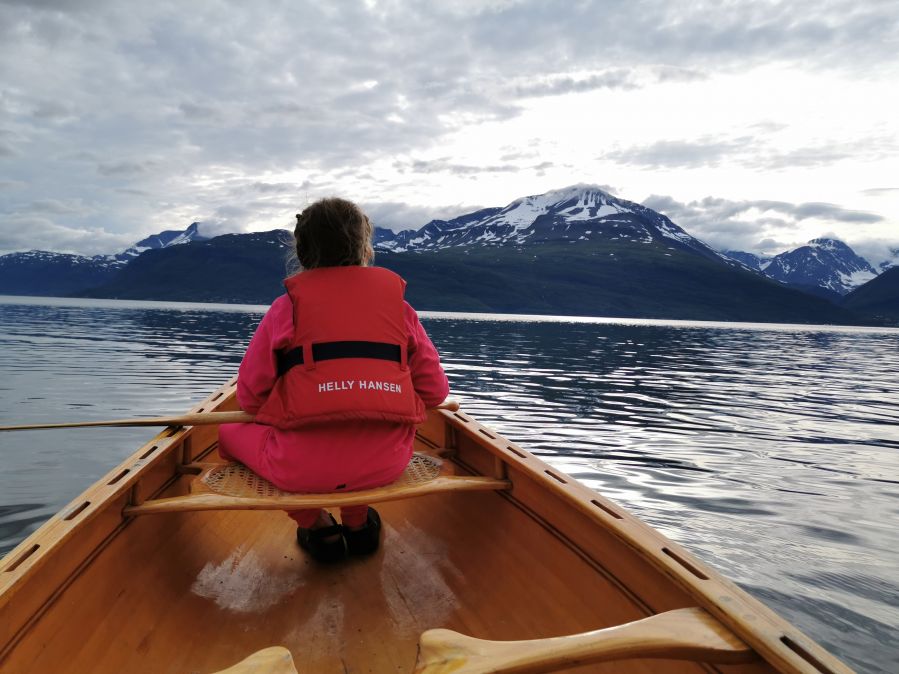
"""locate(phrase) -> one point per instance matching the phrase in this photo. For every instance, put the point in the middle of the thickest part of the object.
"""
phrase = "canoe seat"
(233, 486)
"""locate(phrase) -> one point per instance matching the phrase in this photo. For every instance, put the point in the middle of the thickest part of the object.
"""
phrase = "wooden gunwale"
(49, 560)
(53, 551)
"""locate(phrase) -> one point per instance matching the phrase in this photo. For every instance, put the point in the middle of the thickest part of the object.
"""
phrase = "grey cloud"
(680, 154)
(59, 207)
(558, 85)
(274, 188)
(729, 225)
(399, 216)
(29, 232)
(52, 111)
(750, 151)
(880, 191)
(445, 165)
(7, 151)
(122, 168)
(198, 111)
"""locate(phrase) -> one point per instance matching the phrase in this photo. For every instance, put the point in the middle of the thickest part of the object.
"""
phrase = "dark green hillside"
(52, 274)
(238, 268)
(878, 299)
(601, 279)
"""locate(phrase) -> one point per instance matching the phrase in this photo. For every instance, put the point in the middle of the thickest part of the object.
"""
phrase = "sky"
(754, 125)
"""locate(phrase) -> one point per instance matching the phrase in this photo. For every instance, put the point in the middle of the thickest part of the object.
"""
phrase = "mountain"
(170, 237)
(824, 267)
(878, 298)
(239, 268)
(577, 251)
(40, 272)
(580, 213)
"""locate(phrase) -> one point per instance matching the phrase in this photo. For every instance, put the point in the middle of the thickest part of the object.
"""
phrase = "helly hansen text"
(361, 384)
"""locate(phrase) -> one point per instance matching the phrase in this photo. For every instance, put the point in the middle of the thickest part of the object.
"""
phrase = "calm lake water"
(770, 451)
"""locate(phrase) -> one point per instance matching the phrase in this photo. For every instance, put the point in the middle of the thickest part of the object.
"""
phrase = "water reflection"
(770, 451)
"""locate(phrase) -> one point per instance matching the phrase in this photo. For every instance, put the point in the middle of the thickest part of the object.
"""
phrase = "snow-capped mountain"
(573, 214)
(828, 264)
(170, 237)
(41, 272)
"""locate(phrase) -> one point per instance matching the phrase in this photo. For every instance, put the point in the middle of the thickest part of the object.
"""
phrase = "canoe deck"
(197, 592)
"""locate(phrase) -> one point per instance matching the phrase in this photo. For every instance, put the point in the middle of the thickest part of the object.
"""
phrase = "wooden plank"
(210, 501)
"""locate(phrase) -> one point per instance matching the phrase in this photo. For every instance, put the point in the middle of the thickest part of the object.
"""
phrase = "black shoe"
(364, 541)
(321, 550)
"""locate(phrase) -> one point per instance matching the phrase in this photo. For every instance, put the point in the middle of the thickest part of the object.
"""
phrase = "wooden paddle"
(201, 419)
(683, 634)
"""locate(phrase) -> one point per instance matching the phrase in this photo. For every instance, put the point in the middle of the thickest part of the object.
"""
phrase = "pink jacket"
(357, 454)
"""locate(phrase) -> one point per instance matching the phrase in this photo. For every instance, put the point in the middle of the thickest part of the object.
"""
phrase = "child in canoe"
(338, 373)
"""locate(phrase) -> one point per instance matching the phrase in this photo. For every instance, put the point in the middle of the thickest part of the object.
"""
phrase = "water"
(769, 451)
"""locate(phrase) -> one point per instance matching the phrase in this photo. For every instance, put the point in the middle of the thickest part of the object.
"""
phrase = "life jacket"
(348, 357)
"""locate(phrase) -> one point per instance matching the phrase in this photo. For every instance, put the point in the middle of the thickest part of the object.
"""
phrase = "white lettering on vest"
(345, 385)
(371, 385)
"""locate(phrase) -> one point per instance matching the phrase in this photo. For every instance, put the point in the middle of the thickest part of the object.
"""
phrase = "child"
(338, 373)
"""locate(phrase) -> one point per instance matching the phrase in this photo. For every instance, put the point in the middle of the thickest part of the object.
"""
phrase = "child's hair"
(333, 233)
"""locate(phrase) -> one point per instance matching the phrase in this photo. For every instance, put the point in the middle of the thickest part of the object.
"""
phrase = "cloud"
(880, 191)
(446, 165)
(565, 84)
(32, 232)
(122, 168)
(59, 207)
(756, 151)
(751, 225)
(171, 107)
(398, 216)
(680, 154)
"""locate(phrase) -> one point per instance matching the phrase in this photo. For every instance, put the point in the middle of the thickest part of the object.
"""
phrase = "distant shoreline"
(174, 305)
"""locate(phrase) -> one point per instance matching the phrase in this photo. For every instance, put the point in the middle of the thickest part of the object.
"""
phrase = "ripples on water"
(770, 451)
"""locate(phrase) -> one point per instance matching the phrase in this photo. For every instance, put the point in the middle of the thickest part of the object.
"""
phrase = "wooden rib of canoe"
(533, 572)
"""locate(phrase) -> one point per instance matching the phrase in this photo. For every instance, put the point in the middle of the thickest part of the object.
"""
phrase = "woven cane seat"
(235, 479)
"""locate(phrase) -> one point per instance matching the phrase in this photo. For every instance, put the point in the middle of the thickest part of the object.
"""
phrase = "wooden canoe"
(545, 563)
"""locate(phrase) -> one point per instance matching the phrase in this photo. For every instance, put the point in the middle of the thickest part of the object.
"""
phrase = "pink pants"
(254, 445)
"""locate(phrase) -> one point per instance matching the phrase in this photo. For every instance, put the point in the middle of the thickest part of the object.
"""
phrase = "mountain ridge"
(578, 250)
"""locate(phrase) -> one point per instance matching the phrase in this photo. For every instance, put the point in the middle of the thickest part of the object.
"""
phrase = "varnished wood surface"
(196, 592)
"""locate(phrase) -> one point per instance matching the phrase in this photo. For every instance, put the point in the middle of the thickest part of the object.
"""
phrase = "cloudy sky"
(755, 125)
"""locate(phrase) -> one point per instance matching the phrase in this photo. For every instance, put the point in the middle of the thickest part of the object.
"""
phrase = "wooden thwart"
(235, 487)
(682, 634)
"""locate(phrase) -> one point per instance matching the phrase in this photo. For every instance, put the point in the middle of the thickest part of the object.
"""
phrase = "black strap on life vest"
(334, 350)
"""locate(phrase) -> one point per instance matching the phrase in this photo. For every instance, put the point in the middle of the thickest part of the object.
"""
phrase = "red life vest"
(348, 356)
